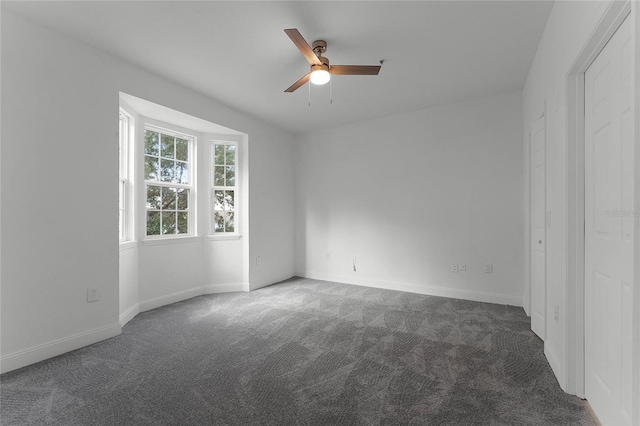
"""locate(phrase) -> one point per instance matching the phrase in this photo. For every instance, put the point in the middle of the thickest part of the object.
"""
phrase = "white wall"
(170, 272)
(410, 194)
(59, 227)
(128, 278)
(271, 222)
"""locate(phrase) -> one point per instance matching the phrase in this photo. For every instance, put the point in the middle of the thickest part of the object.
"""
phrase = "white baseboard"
(48, 350)
(476, 296)
(222, 288)
(179, 296)
(554, 362)
(167, 299)
(128, 315)
(270, 281)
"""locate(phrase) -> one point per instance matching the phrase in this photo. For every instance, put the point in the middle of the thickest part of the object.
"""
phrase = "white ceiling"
(435, 52)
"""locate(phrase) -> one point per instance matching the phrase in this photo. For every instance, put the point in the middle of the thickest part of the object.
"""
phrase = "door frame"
(575, 292)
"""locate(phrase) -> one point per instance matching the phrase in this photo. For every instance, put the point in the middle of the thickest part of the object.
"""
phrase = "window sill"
(224, 237)
(127, 245)
(170, 240)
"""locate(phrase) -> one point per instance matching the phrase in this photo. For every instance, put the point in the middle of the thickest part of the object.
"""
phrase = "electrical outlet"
(92, 295)
(463, 266)
(454, 267)
(488, 268)
(354, 265)
(259, 260)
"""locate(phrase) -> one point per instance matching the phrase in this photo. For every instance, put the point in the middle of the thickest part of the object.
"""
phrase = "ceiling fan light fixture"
(320, 74)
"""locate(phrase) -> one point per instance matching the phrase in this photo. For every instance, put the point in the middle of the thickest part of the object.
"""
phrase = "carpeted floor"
(302, 352)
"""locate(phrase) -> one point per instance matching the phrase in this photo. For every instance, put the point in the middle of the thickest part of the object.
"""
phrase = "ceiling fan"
(321, 71)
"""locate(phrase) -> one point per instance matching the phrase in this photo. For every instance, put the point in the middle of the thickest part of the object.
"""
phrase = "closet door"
(609, 204)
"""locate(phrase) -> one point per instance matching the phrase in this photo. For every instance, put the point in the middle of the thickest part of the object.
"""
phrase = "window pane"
(153, 223)
(229, 223)
(168, 223)
(153, 198)
(183, 199)
(231, 155)
(182, 172)
(218, 179)
(150, 142)
(183, 223)
(166, 170)
(150, 168)
(218, 222)
(182, 149)
(229, 200)
(218, 203)
(219, 150)
(168, 199)
(167, 144)
(231, 175)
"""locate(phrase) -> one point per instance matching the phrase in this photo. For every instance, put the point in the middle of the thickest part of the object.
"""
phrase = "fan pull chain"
(330, 93)
(309, 93)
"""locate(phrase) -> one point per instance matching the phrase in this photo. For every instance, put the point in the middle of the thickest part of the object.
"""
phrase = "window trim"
(125, 177)
(172, 239)
(222, 236)
(191, 186)
(237, 232)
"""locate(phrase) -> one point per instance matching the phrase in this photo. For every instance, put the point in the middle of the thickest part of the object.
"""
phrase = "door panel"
(601, 284)
(538, 229)
(609, 227)
(600, 170)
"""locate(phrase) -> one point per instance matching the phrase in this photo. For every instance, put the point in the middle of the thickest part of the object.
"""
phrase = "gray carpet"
(302, 352)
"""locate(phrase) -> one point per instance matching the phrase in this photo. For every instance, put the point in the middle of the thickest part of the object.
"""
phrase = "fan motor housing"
(324, 67)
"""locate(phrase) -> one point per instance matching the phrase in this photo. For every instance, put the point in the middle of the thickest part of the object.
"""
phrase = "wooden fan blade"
(302, 44)
(299, 83)
(354, 69)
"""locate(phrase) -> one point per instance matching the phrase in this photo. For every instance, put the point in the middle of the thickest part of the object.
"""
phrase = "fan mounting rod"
(319, 47)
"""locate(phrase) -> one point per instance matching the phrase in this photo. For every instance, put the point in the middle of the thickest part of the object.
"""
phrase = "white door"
(538, 228)
(609, 202)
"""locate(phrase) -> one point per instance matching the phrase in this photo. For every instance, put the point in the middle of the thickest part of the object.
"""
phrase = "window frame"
(236, 233)
(190, 187)
(126, 132)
